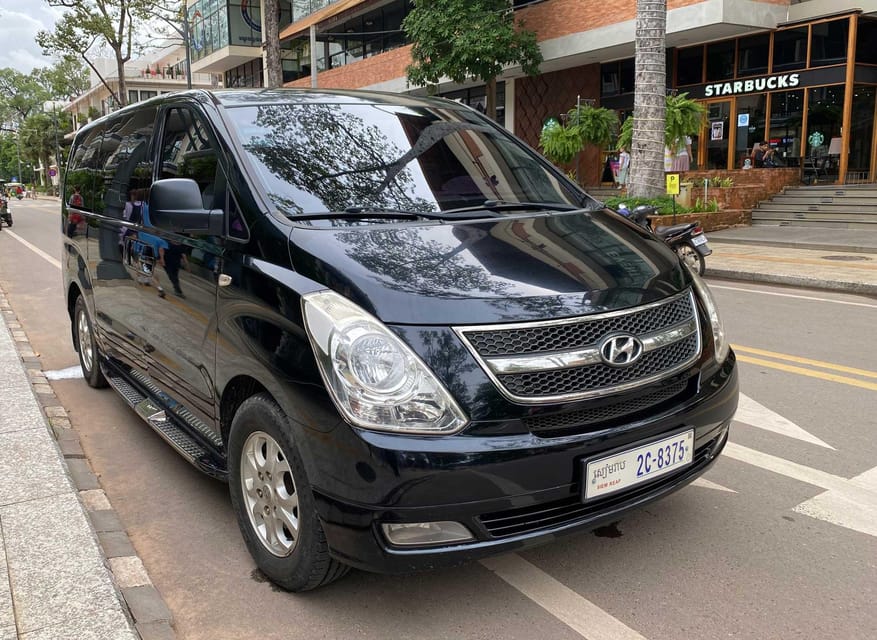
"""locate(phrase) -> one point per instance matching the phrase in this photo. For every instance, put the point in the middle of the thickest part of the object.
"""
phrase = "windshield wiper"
(487, 209)
(359, 213)
(364, 213)
(502, 205)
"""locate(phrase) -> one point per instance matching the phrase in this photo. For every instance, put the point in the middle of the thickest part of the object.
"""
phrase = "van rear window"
(313, 158)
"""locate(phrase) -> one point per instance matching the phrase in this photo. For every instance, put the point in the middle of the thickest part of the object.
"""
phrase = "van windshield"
(314, 158)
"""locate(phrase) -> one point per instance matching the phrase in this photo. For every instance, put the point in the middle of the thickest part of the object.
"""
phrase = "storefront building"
(799, 73)
(808, 88)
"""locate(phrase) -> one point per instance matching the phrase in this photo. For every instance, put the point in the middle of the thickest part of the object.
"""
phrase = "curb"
(795, 281)
(152, 619)
(780, 244)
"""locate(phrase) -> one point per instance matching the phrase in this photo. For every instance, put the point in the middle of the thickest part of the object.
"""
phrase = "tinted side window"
(126, 163)
(81, 173)
(189, 151)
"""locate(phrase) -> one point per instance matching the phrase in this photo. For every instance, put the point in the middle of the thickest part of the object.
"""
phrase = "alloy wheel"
(269, 494)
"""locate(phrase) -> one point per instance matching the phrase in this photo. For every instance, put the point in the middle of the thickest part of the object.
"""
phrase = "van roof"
(251, 97)
(243, 97)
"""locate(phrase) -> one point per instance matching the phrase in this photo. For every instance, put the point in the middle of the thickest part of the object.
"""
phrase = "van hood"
(519, 268)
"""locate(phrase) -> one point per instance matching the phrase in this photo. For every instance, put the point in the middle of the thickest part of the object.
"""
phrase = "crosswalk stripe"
(574, 610)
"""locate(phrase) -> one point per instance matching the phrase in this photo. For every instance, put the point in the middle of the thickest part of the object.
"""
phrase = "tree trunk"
(650, 94)
(271, 43)
(490, 88)
(122, 98)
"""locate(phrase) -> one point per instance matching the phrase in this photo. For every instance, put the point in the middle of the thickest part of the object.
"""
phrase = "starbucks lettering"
(754, 85)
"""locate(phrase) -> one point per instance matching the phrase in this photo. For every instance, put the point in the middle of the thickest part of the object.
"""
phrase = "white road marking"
(577, 612)
(45, 256)
(848, 503)
(792, 295)
(65, 374)
(706, 484)
(757, 415)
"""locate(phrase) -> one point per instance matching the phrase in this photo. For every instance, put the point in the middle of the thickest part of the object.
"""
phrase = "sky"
(19, 22)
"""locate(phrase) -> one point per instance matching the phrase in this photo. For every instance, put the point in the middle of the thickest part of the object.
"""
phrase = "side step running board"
(176, 437)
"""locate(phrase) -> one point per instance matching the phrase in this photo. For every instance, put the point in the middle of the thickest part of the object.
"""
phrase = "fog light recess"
(420, 534)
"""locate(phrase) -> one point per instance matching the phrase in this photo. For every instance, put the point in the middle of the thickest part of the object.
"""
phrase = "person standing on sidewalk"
(623, 168)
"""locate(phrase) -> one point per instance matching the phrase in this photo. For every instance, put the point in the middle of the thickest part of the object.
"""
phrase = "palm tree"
(273, 69)
(647, 149)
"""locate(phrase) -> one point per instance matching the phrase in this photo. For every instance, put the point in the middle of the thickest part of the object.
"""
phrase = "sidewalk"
(67, 569)
(817, 258)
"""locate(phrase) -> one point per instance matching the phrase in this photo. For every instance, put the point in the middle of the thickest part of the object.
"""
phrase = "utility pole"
(186, 42)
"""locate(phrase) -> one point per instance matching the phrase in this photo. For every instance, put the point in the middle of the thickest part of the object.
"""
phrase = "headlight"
(375, 379)
(712, 311)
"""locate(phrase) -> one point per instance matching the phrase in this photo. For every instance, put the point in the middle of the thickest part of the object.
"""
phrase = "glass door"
(717, 136)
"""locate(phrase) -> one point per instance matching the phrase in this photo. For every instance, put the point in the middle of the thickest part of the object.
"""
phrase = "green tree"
(88, 25)
(41, 136)
(650, 91)
(20, 95)
(468, 40)
(66, 78)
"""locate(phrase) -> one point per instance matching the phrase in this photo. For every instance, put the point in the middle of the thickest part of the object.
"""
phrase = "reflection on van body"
(402, 337)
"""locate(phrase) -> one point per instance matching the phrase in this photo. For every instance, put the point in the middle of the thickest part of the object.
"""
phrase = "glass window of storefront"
(824, 124)
(720, 60)
(617, 77)
(753, 54)
(689, 66)
(786, 122)
(862, 133)
(866, 51)
(790, 49)
(828, 42)
(750, 128)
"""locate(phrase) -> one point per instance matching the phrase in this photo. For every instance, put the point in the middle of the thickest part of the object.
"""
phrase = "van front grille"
(591, 419)
(560, 360)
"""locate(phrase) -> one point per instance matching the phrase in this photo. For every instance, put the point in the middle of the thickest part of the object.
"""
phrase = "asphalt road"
(779, 541)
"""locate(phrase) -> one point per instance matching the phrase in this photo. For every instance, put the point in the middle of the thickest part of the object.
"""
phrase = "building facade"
(145, 78)
(800, 74)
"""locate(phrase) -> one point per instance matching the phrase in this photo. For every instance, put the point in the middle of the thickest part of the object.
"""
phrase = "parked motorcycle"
(5, 214)
(687, 239)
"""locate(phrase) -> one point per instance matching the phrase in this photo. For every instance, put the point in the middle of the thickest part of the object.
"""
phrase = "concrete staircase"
(834, 206)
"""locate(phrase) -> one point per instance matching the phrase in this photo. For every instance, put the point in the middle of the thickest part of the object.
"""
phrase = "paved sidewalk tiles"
(67, 568)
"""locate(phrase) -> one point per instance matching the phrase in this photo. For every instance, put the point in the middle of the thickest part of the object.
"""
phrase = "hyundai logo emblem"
(621, 351)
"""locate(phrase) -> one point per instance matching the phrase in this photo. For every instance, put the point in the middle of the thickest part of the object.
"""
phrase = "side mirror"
(175, 205)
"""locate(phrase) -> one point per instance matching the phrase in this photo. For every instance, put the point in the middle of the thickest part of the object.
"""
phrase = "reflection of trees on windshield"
(332, 155)
(409, 262)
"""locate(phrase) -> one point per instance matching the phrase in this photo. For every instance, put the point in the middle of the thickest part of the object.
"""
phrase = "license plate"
(698, 240)
(629, 468)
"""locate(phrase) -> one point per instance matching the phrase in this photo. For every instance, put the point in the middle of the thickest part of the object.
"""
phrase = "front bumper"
(512, 492)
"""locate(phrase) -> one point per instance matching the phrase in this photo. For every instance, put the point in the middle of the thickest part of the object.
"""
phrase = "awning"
(298, 28)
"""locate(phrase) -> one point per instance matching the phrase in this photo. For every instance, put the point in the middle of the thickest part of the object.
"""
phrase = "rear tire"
(273, 502)
(86, 345)
(691, 257)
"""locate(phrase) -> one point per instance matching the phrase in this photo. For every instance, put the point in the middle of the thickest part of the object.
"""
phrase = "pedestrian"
(682, 155)
(623, 168)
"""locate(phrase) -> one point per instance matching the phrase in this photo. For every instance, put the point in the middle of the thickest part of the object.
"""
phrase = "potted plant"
(583, 125)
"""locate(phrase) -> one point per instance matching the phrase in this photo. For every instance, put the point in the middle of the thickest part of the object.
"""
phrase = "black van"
(403, 337)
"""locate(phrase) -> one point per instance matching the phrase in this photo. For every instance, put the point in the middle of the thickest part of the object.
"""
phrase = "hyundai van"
(402, 337)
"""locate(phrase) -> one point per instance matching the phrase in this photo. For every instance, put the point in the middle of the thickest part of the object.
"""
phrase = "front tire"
(86, 345)
(691, 257)
(273, 502)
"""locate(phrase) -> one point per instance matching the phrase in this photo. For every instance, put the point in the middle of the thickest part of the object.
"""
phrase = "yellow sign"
(672, 184)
